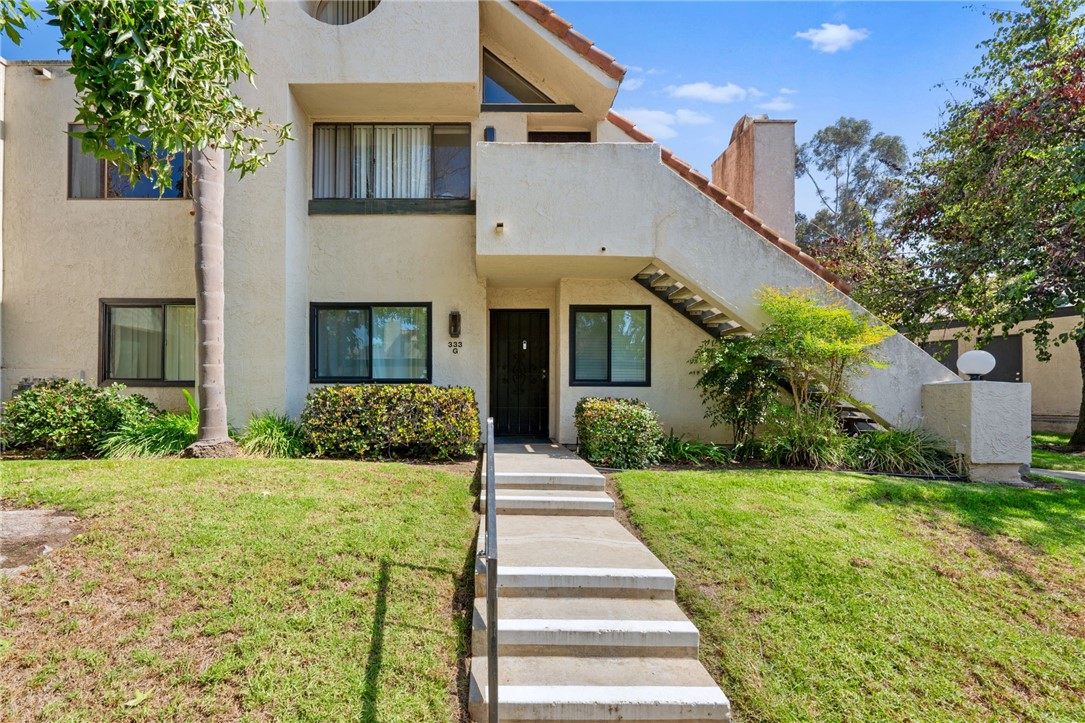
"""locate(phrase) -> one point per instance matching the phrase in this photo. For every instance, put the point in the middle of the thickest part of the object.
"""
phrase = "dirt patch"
(26, 535)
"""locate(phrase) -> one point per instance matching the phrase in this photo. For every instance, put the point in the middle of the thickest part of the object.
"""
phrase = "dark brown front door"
(519, 372)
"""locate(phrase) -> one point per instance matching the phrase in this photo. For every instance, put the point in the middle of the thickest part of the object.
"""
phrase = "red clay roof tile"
(563, 30)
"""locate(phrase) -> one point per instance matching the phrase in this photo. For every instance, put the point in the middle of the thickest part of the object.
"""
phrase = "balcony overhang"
(388, 101)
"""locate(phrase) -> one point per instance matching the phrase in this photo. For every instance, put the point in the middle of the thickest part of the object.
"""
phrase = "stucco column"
(989, 424)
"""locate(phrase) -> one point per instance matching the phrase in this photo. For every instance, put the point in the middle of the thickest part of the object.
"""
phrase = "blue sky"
(696, 67)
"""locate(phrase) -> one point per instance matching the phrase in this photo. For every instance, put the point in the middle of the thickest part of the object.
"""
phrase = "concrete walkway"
(1064, 474)
(588, 628)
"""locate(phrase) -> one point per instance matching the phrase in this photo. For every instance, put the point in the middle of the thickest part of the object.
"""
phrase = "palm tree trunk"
(209, 173)
(1077, 439)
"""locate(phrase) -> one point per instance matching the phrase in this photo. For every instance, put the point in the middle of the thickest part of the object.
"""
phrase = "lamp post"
(976, 364)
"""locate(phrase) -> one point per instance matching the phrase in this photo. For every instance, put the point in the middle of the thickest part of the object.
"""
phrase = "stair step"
(550, 502)
(547, 481)
(716, 319)
(588, 626)
(583, 689)
(701, 305)
(662, 281)
(648, 272)
(680, 294)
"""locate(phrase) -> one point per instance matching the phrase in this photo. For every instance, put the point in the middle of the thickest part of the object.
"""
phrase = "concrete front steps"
(587, 624)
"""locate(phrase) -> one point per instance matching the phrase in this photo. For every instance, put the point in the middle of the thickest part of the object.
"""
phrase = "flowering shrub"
(622, 433)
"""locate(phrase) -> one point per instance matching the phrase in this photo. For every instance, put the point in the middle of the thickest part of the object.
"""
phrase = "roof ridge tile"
(562, 29)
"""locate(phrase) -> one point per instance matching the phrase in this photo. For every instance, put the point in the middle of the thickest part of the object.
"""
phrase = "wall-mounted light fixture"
(489, 135)
(501, 227)
(454, 324)
(976, 364)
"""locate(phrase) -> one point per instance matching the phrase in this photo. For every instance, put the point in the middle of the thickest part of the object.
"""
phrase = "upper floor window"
(340, 12)
(90, 177)
(354, 160)
(503, 85)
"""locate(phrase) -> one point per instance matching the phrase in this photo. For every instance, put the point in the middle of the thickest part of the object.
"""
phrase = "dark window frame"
(103, 171)
(105, 341)
(610, 309)
(316, 306)
(373, 160)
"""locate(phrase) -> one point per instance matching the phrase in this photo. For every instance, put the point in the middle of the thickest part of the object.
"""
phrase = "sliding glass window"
(149, 342)
(610, 346)
(370, 342)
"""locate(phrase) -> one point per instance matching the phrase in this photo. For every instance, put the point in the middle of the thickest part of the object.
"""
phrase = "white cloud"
(778, 104)
(755, 93)
(787, 91)
(831, 37)
(709, 93)
(691, 117)
(661, 124)
(633, 84)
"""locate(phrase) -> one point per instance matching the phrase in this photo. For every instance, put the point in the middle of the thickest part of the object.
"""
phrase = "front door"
(519, 371)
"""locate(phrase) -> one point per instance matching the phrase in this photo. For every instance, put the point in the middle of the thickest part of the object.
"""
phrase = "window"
(943, 351)
(370, 342)
(503, 85)
(89, 177)
(610, 346)
(352, 160)
(340, 12)
(149, 342)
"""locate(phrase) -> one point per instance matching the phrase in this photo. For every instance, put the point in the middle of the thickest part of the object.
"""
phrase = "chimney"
(758, 169)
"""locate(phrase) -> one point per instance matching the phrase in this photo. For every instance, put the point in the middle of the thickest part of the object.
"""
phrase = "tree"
(863, 171)
(13, 17)
(154, 80)
(995, 212)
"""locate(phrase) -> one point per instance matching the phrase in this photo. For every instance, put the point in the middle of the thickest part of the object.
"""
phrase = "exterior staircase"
(588, 628)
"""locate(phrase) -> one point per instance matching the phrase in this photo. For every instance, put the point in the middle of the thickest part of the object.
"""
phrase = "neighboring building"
(460, 207)
(1056, 383)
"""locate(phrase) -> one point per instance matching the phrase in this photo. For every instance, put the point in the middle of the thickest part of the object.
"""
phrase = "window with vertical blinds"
(610, 345)
(352, 160)
(149, 342)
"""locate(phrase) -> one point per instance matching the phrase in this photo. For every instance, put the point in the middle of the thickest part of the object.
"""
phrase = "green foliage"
(156, 78)
(679, 450)
(160, 435)
(13, 17)
(737, 380)
(620, 433)
(818, 345)
(274, 435)
(68, 418)
(813, 440)
(903, 451)
(416, 421)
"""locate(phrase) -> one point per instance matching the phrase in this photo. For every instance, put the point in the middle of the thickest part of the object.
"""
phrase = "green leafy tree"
(154, 79)
(738, 382)
(995, 213)
(13, 17)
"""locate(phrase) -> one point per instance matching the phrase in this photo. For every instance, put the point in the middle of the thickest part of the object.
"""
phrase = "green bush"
(274, 435)
(160, 435)
(738, 381)
(621, 433)
(814, 440)
(679, 450)
(68, 418)
(903, 451)
(416, 421)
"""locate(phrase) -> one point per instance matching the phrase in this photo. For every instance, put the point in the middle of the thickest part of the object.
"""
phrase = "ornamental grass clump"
(274, 435)
(619, 433)
(160, 435)
(903, 451)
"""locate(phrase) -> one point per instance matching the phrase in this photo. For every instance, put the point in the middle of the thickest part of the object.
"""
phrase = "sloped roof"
(729, 203)
(563, 30)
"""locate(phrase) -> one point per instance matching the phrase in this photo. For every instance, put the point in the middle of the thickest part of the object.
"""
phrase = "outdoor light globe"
(975, 363)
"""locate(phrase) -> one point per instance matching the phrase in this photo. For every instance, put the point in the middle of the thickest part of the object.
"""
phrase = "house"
(461, 206)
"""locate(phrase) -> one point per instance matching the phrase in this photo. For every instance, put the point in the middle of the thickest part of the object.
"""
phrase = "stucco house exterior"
(461, 206)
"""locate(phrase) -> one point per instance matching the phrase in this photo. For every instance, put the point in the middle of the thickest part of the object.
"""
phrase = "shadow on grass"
(1049, 519)
(376, 644)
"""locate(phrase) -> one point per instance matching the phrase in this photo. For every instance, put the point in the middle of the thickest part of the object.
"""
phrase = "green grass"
(840, 597)
(1049, 459)
(240, 590)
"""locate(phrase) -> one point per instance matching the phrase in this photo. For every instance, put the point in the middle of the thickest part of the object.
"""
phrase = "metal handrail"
(491, 574)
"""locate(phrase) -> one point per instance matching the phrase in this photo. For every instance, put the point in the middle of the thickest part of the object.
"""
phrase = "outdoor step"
(550, 502)
(541, 466)
(587, 626)
(545, 480)
(680, 294)
(663, 281)
(570, 556)
(587, 689)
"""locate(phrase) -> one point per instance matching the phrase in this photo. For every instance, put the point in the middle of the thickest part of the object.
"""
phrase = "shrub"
(274, 435)
(68, 418)
(679, 450)
(813, 440)
(417, 421)
(903, 451)
(738, 381)
(621, 433)
(160, 435)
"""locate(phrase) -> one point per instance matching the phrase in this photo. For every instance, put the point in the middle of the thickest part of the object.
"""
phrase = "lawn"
(241, 589)
(838, 597)
(1044, 455)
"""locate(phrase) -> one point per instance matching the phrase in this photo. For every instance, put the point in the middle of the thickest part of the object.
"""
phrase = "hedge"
(621, 433)
(379, 421)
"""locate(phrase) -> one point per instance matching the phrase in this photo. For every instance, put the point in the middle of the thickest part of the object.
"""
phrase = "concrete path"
(588, 628)
(1064, 474)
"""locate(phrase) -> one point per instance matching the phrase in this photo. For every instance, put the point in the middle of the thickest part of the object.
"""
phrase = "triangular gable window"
(503, 85)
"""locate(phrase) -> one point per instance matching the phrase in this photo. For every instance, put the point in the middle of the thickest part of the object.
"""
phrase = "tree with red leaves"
(995, 213)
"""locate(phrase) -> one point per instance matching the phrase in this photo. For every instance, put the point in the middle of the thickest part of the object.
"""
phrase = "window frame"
(105, 341)
(103, 172)
(610, 309)
(317, 306)
(373, 124)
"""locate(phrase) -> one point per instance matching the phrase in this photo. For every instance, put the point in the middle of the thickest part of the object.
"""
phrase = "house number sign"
(455, 346)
